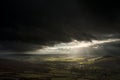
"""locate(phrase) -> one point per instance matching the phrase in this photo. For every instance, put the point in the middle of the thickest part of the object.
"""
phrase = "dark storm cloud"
(28, 22)
(12, 46)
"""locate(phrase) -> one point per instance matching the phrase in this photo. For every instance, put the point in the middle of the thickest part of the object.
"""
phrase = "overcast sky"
(27, 24)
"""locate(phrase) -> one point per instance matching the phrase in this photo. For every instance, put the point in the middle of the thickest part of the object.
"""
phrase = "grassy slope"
(104, 68)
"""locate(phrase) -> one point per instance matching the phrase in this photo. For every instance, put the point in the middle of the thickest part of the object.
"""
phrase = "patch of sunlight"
(90, 61)
(94, 59)
(87, 62)
(65, 59)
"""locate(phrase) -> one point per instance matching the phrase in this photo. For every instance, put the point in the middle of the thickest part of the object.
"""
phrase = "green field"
(61, 68)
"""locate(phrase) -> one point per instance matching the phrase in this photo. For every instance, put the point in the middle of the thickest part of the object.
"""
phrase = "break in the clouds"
(74, 47)
(28, 25)
(9, 46)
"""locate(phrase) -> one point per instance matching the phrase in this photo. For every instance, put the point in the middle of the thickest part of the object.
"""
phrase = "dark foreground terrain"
(82, 68)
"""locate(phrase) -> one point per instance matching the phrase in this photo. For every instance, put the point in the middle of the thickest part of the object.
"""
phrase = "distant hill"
(108, 62)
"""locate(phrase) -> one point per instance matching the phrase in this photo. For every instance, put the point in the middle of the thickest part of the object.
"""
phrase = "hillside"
(101, 68)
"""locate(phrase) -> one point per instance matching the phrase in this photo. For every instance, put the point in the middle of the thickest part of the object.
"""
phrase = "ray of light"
(74, 46)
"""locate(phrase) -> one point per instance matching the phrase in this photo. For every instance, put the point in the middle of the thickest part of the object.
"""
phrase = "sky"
(27, 25)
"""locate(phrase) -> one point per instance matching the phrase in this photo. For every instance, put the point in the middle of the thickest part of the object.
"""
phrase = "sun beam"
(74, 46)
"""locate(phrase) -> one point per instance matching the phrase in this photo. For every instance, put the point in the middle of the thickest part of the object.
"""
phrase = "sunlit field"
(82, 61)
(57, 67)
